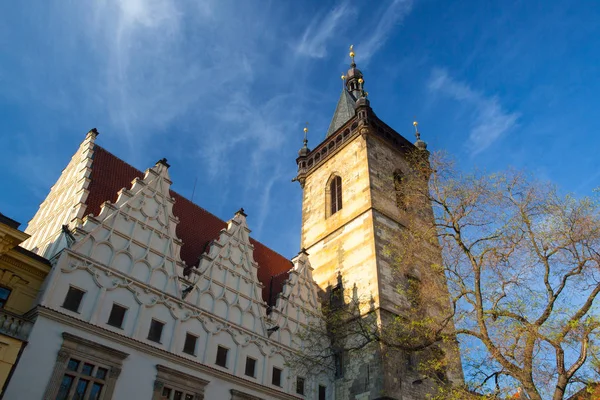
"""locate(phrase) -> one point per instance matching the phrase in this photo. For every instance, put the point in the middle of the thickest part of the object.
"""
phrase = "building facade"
(152, 297)
(22, 273)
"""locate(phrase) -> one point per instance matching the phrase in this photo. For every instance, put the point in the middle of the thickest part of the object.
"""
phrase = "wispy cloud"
(318, 33)
(490, 120)
(382, 26)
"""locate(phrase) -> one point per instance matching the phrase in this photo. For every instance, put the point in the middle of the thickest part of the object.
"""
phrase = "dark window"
(73, 299)
(222, 356)
(335, 191)
(276, 379)
(322, 392)
(250, 367)
(4, 293)
(399, 189)
(117, 314)
(155, 332)
(190, 344)
(338, 362)
(300, 385)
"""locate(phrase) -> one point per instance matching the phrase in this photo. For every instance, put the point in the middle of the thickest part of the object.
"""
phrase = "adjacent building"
(22, 273)
(152, 297)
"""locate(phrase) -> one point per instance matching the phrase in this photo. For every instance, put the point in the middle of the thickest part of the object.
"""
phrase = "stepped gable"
(197, 227)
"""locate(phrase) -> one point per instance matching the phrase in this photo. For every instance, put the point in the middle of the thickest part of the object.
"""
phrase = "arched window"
(335, 194)
(399, 189)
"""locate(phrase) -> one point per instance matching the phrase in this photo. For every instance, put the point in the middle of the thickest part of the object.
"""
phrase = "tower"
(352, 222)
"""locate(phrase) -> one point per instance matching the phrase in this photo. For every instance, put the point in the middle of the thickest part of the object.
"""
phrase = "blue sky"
(223, 89)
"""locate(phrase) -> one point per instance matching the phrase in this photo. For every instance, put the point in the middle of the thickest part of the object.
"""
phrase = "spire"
(304, 150)
(419, 143)
(352, 91)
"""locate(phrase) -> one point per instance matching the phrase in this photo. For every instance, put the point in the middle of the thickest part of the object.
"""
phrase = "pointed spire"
(419, 143)
(304, 150)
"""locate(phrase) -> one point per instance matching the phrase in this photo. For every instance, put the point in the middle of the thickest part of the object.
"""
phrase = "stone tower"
(351, 225)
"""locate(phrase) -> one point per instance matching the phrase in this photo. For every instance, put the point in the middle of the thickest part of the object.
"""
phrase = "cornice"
(163, 354)
(24, 263)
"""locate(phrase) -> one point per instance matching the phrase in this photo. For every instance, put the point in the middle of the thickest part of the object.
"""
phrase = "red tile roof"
(196, 228)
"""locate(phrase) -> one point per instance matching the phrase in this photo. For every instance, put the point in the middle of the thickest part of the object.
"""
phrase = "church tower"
(352, 222)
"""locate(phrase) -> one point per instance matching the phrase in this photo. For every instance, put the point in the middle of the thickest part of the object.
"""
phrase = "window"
(336, 299)
(155, 332)
(117, 314)
(84, 370)
(399, 189)
(338, 362)
(300, 385)
(73, 299)
(171, 384)
(250, 367)
(322, 392)
(335, 193)
(4, 293)
(276, 378)
(222, 356)
(190, 344)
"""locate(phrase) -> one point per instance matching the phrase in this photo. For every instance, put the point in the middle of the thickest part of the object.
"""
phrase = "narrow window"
(190, 344)
(73, 299)
(221, 356)
(250, 367)
(117, 314)
(399, 189)
(337, 297)
(339, 364)
(335, 191)
(4, 293)
(155, 332)
(300, 385)
(276, 379)
(322, 392)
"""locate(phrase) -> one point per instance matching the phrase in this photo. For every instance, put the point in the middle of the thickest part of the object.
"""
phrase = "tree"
(521, 264)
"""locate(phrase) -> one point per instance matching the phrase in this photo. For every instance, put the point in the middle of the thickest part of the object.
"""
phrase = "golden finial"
(352, 53)
(360, 80)
(305, 132)
(343, 77)
(416, 125)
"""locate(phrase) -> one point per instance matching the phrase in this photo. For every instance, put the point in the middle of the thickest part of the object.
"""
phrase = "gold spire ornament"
(352, 53)
(417, 134)
(305, 132)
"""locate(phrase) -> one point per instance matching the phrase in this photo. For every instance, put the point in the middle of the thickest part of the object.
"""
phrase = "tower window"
(399, 189)
(250, 367)
(335, 194)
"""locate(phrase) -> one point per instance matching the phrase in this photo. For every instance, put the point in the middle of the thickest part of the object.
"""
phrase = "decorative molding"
(160, 353)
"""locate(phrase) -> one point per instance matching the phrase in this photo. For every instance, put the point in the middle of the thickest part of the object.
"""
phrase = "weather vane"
(416, 125)
(305, 133)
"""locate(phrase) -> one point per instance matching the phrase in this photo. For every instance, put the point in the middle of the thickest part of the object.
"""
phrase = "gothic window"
(84, 370)
(334, 195)
(338, 362)
(171, 384)
(400, 190)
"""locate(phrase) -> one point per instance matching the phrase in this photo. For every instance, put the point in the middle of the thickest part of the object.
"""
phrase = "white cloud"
(382, 26)
(320, 31)
(490, 122)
